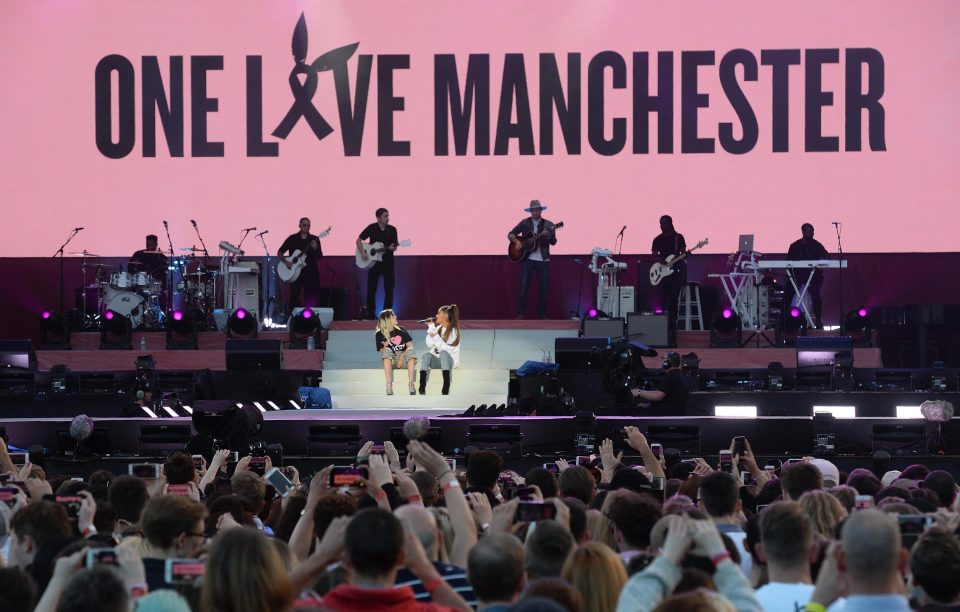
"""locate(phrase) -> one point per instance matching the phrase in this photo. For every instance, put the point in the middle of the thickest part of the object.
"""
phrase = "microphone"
(622, 230)
(164, 224)
(836, 223)
(427, 320)
(194, 223)
(249, 229)
(77, 229)
(262, 233)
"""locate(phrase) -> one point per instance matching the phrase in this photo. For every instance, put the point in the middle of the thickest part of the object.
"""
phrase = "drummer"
(150, 260)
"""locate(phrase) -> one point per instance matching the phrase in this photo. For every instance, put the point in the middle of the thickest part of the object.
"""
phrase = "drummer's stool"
(689, 310)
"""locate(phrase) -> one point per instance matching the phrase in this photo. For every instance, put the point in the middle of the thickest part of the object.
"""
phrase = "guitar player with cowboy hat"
(538, 260)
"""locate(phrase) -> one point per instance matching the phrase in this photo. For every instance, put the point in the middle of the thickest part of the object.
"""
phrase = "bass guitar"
(659, 271)
(519, 253)
(374, 251)
(298, 261)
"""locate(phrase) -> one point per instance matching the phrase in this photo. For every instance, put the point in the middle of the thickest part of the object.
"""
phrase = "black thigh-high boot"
(424, 374)
(446, 382)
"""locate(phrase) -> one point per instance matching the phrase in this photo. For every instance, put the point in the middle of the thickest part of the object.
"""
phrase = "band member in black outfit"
(672, 393)
(670, 242)
(539, 260)
(381, 231)
(807, 248)
(150, 260)
(308, 282)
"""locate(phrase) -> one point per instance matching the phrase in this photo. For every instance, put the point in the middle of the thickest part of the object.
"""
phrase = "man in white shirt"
(787, 547)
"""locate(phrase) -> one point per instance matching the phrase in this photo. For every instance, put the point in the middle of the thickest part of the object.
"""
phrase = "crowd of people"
(404, 531)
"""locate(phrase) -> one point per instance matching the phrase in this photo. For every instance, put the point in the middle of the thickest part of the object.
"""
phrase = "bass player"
(539, 259)
(670, 242)
(308, 281)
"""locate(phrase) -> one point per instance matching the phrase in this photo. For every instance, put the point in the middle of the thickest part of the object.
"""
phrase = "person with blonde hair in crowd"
(824, 511)
(598, 574)
(245, 573)
(396, 349)
(443, 340)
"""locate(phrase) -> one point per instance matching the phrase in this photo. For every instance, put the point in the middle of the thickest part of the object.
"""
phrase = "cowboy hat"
(535, 205)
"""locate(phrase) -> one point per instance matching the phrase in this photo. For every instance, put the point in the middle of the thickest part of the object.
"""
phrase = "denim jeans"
(542, 268)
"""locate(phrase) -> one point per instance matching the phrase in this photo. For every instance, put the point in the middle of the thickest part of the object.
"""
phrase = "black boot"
(446, 382)
(423, 381)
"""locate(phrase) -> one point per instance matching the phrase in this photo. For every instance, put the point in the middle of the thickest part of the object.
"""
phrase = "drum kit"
(140, 295)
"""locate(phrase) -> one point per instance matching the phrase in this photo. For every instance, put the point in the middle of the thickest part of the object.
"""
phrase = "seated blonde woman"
(396, 350)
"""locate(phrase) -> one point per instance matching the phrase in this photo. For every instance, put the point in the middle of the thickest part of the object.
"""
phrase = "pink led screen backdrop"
(734, 117)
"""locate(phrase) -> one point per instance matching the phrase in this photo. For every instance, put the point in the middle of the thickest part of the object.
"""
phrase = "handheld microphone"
(427, 320)
(77, 229)
(262, 233)
(249, 229)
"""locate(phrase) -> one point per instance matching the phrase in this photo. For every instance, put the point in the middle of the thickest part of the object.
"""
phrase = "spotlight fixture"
(54, 331)
(856, 323)
(727, 330)
(242, 324)
(181, 331)
(304, 325)
(115, 332)
(793, 325)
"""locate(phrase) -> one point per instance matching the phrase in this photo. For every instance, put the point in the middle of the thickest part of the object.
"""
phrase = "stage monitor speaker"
(433, 438)
(900, 439)
(337, 298)
(243, 354)
(651, 329)
(602, 328)
(580, 353)
(684, 438)
(820, 351)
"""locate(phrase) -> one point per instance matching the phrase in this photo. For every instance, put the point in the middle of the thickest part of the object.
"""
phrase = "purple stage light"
(727, 313)
(795, 312)
(862, 313)
(46, 314)
(241, 313)
(307, 313)
(178, 315)
(108, 315)
(658, 310)
(592, 313)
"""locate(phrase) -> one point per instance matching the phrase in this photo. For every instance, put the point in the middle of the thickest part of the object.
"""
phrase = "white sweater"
(436, 343)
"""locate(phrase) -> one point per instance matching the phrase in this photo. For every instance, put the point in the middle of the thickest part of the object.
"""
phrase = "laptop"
(746, 243)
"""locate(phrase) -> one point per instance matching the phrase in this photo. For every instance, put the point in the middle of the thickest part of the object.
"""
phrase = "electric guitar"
(374, 251)
(660, 270)
(519, 253)
(289, 274)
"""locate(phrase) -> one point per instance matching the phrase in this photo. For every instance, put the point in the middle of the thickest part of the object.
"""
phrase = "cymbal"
(134, 262)
(83, 253)
(96, 265)
(154, 252)
(191, 250)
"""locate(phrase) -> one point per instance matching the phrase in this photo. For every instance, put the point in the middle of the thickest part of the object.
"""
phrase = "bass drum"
(126, 303)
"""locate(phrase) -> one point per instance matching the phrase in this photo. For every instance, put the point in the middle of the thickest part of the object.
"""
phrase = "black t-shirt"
(154, 264)
(676, 388)
(398, 340)
(387, 236)
(807, 249)
(669, 244)
(295, 242)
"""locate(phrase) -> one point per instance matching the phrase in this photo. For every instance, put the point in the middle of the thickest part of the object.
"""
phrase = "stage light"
(115, 332)
(181, 331)
(794, 324)
(795, 312)
(242, 324)
(54, 331)
(304, 324)
(909, 412)
(749, 412)
(838, 412)
(726, 331)
(593, 313)
(658, 310)
(856, 323)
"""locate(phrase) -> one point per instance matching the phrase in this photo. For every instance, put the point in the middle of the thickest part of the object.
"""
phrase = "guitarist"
(670, 242)
(381, 231)
(309, 280)
(539, 259)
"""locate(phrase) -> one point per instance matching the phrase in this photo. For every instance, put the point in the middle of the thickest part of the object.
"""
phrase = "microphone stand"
(619, 238)
(333, 278)
(246, 233)
(206, 255)
(59, 252)
(843, 323)
(170, 267)
(268, 279)
(579, 261)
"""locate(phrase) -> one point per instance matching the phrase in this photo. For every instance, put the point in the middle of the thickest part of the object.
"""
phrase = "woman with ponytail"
(396, 349)
(443, 340)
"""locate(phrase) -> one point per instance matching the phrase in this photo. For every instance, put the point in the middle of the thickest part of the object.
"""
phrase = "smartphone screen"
(739, 445)
(144, 470)
(552, 468)
(862, 502)
(19, 459)
(346, 475)
(280, 482)
(101, 556)
(183, 571)
(181, 489)
(657, 450)
(8, 495)
(258, 465)
(532, 511)
(197, 462)
(726, 461)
